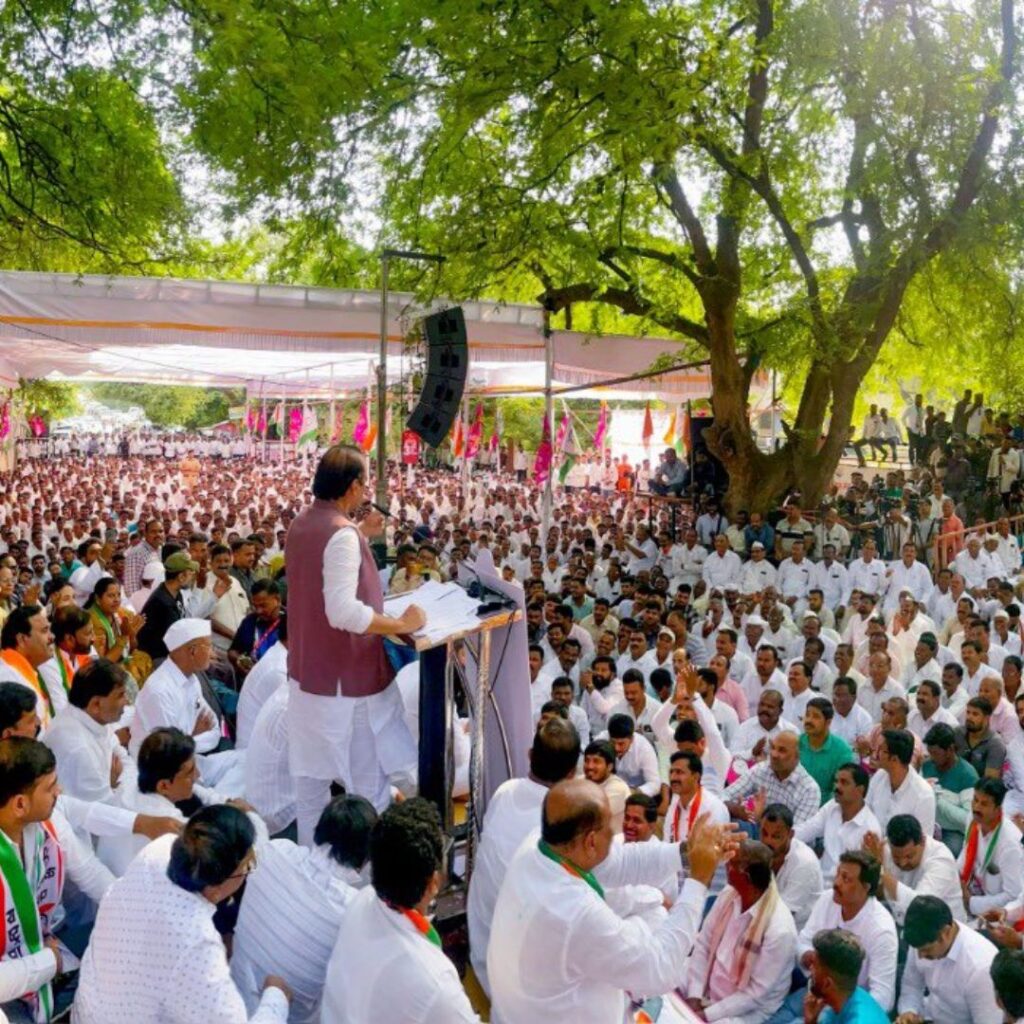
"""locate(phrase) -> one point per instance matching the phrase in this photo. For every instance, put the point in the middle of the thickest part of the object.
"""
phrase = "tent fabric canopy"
(291, 340)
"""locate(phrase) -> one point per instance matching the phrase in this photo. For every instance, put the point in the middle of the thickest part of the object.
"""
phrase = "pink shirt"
(730, 693)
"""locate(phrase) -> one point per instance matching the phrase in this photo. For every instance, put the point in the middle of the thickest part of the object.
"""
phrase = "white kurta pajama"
(360, 741)
(558, 952)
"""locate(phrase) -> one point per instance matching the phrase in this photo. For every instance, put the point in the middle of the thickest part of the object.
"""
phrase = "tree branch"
(666, 178)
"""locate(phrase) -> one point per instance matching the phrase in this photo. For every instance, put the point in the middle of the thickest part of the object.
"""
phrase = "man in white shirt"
(866, 574)
(293, 907)
(976, 566)
(914, 864)
(767, 675)
(638, 705)
(794, 579)
(909, 574)
(946, 979)
(742, 962)
(265, 677)
(897, 788)
(991, 859)
(636, 761)
(90, 758)
(794, 863)
(722, 568)
(929, 710)
(752, 738)
(543, 962)
(155, 953)
(843, 822)
(690, 800)
(512, 813)
(231, 606)
(387, 953)
(880, 686)
(851, 906)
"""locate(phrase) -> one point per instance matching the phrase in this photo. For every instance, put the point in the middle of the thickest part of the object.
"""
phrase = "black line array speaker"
(445, 379)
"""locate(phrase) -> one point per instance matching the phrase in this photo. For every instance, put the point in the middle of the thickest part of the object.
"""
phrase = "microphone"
(381, 509)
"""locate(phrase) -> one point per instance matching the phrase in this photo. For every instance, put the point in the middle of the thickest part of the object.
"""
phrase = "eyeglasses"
(249, 868)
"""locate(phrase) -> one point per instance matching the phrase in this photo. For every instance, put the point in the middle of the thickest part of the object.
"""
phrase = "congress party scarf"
(691, 817)
(423, 926)
(31, 893)
(971, 850)
(21, 665)
(587, 876)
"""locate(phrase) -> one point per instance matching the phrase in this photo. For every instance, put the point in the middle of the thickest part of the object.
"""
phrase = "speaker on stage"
(445, 379)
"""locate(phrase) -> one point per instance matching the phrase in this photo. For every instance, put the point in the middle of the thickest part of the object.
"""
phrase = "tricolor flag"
(369, 438)
(570, 453)
(362, 424)
(458, 439)
(674, 435)
(308, 428)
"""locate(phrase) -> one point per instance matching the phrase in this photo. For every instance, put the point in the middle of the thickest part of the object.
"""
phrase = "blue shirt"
(860, 1008)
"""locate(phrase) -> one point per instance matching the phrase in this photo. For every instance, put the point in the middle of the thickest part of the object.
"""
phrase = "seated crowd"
(780, 760)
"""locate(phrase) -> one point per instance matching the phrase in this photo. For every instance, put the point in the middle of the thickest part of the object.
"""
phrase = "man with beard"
(599, 768)
(751, 739)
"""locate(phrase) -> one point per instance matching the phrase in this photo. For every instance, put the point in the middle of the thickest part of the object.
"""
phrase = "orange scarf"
(971, 853)
(21, 665)
(691, 817)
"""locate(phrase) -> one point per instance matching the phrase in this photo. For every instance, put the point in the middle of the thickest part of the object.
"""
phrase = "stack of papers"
(449, 609)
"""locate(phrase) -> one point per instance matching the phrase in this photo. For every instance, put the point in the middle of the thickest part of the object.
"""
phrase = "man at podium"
(345, 718)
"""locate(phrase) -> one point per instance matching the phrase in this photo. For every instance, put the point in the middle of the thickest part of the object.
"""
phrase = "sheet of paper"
(448, 608)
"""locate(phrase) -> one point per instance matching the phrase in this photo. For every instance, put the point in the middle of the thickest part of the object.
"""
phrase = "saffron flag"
(369, 439)
(648, 427)
(670, 433)
(458, 439)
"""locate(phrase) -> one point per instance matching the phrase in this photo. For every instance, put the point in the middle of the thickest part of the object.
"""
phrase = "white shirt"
(753, 686)
(914, 797)
(831, 580)
(871, 700)
(770, 975)
(956, 989)
(558, 952)
(155, 956)
(751, 732)
(999, 876)
(288, 924)
(382, 965)
(722, 571)
(875, 928)
(857, 723)
(919, 725)
(837, 836)
(917, 578)
(799, 880)
(513, 812)
(269, 785)
(84, 750)
(757, 576)
(678, 829)
(269, 673)
(867, 577)
(170, 698)
(638, 767)
(794, 579)
(936, 875)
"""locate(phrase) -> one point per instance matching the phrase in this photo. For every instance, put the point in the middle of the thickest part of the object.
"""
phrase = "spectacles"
(249, 868)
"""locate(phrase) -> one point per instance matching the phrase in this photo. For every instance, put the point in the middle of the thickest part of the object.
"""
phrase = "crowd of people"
(777, 771)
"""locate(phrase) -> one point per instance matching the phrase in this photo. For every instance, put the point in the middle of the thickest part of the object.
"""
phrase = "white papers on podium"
(448, 608)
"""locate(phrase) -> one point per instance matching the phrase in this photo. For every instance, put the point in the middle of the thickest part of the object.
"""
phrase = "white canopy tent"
(295, 341)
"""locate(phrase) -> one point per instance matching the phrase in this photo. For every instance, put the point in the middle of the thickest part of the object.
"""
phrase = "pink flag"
(602, 427)
(563, 429)
(295, 423)
(475, 432)
(542, 462)
(362, 427)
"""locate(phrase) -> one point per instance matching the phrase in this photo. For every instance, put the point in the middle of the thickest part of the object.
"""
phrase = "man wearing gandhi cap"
(173, 696)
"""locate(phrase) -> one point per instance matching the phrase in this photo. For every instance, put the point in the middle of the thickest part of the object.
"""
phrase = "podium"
(495, 678)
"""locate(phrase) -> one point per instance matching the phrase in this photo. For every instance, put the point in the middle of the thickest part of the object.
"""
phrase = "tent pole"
(263, 417)
(549, 412)
(465, 447)
(283, 425)
(382, 383)
(330, 414)
(305, 409)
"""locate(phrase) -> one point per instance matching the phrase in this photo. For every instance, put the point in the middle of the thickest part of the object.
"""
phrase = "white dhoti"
(361, 742)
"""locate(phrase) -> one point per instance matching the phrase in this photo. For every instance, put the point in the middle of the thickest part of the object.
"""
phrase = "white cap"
(809, 614)
(1001, 614)
(153, 572)
(755, 620)
(665, 631)
(905, 590)
(184, 631)
(81, 581)
(757, 545)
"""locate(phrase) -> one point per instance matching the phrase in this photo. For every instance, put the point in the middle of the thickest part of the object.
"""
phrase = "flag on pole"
(670, 433)
(542, 462)
(277, 419)
(570, 453)
(458, 439)
(369, 439)
(684, 433)
(362, 424)
(602, 427)
(476, 432)
(563, 428)
(499, 428)
(308, 428)
(338, 426)
(648, 426)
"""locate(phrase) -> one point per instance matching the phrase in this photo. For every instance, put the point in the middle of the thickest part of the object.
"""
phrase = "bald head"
(571, 809)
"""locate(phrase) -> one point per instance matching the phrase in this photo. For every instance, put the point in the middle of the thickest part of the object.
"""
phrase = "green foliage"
(170, 405)
(53, 400)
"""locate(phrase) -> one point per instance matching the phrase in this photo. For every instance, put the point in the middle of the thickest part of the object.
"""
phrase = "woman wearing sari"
(117, 629)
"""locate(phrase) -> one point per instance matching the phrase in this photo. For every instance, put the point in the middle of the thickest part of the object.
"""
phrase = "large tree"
(764, 179)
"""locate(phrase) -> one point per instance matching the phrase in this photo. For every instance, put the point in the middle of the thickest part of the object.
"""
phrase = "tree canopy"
(811, 185)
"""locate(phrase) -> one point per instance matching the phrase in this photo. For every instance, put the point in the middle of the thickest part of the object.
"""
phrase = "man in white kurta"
(557, 950)
(512, 814)
(155, 954)
(266, 676)
(294, 905)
